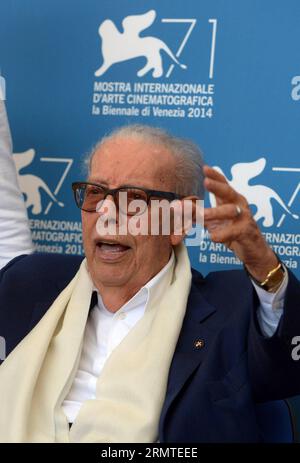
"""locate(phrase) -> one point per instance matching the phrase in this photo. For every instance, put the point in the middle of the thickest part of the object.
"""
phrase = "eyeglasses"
(88, 195)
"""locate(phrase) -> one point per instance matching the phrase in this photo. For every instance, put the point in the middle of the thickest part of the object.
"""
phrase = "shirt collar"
(141, 298)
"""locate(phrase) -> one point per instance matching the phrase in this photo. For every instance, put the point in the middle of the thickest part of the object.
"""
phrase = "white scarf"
(36, 376)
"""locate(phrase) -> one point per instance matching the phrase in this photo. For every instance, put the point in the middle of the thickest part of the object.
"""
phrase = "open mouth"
(110, 250)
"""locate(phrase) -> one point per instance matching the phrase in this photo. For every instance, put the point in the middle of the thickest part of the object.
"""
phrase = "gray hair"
(189, 160)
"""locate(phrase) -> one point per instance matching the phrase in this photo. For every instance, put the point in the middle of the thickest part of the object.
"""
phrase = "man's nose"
(106, 208)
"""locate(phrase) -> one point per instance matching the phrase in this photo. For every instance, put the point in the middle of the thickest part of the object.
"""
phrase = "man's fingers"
(227, 221)
(209, 172)
(222, 191)
(223, 235)
(224, 212)
(218, 185)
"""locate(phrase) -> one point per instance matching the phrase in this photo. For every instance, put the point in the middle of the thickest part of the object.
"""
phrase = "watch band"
(270, 274)
(273, 280)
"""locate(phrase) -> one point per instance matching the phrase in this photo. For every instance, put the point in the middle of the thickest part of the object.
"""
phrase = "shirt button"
(121, 316)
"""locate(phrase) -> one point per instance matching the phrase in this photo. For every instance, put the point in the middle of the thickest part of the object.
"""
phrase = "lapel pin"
(199, 344)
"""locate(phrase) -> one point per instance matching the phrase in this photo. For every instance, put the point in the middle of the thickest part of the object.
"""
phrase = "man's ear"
(186, 212)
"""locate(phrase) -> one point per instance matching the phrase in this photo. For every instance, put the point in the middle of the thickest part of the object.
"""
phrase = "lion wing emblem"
(32, 185)
(260, 196)
(122, 46)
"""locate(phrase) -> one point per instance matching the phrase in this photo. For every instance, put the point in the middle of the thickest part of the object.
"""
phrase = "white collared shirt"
(105, 330)
(271, 306)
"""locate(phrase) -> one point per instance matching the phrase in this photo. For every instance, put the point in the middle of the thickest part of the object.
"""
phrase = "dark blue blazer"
(222, 366)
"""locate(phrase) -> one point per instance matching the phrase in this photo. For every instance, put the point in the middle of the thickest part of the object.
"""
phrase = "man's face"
(130, 261)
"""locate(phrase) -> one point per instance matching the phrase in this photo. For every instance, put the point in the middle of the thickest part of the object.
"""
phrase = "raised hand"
(231, 223)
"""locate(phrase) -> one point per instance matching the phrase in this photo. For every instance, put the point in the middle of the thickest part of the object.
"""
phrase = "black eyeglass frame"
(170, 196)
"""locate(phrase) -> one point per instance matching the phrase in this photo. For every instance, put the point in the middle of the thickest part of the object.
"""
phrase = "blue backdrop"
(235, 90)
(238, 98)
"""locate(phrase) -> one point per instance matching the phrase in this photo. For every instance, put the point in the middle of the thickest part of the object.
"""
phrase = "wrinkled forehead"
(133, 161)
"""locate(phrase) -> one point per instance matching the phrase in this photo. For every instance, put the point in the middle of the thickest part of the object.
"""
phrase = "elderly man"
(130, 345)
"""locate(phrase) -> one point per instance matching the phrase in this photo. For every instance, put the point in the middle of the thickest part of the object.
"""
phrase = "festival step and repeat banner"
(225, 73)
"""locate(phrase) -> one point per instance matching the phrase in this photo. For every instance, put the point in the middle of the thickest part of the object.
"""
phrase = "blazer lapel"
(191, 347)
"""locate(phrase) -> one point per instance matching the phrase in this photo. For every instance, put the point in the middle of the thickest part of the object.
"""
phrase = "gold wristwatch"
(273, 280)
